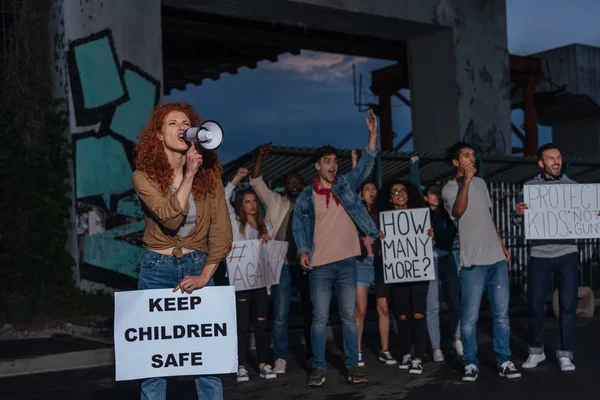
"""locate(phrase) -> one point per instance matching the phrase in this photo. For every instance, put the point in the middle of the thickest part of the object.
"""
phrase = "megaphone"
(208, 135)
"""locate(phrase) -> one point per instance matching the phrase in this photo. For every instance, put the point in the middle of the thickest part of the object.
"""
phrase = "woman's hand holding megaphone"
(193, 160)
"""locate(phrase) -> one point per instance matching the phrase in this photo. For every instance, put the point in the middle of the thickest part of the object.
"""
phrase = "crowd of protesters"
(331, 225)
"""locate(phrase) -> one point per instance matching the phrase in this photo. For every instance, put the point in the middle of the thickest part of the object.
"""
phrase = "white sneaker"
(361, 362)
(438, 356)
(280, 365)
(458, 346)
(266, 372)
(406, 362)
(566, 364)
(242, 375)
(533, 360)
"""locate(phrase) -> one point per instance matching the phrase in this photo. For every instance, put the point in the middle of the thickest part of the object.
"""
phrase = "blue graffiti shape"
(101, 168)
(144, 93)
(97, 85)
(130, 206)
(106, 251)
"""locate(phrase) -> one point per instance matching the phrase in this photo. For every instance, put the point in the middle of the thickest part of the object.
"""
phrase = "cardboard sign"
(252, 264)
(407, 249)
(562, 211)
(159, 333)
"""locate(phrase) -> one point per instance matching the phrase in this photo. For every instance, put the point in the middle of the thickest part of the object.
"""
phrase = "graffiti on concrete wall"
(114, 98)
(491, 142)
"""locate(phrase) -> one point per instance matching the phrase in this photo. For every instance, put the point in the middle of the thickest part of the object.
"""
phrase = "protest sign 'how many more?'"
(562, 211)
(407, 249)
(160, 333)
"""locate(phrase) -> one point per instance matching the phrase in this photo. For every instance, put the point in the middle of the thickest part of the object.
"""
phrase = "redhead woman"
(188, 231)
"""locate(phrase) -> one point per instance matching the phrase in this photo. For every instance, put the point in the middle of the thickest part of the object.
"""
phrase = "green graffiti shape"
(101, 168)
(131, 116)
(104, 251)
(130, 206)
(98, 73)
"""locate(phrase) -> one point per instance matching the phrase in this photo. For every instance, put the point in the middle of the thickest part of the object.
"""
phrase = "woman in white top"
(248, 223)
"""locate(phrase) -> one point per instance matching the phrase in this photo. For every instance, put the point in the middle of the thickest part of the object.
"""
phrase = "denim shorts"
(369, 271)
(365, 271)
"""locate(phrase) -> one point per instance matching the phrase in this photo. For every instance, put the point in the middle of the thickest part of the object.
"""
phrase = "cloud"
(319, 67)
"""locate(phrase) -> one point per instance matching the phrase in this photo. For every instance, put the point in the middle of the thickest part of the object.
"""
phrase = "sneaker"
(406, 360)
(387, 358)
(242, 375)
(361, 363)
(566, 364)
(356, 375)
(266, 372)
(470, 373)
(280, 365)
(317, 377)
(508, 370)
(415, 367)
(533, 360)
(438, 356)
(458, 346)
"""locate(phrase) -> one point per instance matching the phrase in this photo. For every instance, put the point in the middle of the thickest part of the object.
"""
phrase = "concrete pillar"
(432, 76)
(107, 59)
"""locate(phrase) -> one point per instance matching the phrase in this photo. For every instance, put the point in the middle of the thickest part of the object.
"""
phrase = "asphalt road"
(438, 381)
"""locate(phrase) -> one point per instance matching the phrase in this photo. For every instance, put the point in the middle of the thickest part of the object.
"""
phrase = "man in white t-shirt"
(484, 261)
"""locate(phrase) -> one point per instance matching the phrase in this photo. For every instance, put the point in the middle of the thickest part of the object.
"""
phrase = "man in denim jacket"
(325, 224)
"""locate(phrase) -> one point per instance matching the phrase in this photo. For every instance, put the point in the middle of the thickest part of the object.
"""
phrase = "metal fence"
(504, 198)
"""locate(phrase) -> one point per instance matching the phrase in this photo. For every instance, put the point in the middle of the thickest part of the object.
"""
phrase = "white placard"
(562, 211)
(407, 249)
(252, 264)
(160, 333)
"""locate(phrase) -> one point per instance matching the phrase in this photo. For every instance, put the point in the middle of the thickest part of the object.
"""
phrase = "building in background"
(113, 61)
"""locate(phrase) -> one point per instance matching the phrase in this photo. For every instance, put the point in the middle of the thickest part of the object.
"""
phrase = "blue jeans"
(446, 272)
(539, 274)
(282, 294)
(159, 272)
(342, 274)
(474, 281)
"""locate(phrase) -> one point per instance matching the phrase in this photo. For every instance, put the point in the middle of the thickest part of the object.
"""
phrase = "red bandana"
(326, 192)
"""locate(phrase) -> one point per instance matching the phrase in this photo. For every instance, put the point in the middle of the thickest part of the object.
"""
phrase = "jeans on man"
(159, 271)
(539, 274)
(282, 293)
(342, 274)
(474, 281)
(446, 272)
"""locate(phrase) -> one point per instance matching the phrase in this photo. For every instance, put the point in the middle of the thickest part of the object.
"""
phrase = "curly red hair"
(150, 156)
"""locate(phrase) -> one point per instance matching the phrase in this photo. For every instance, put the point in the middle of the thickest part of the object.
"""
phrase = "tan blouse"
(163, 215)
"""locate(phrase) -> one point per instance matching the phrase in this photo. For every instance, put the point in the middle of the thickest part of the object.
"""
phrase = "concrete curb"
(58, 362)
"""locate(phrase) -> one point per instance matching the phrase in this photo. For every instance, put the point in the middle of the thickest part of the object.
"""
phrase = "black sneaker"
(356, 374)
(508, 370)
(387, 358)
(317, 377)
(406, 360)
(415, 367)
(470, 373)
